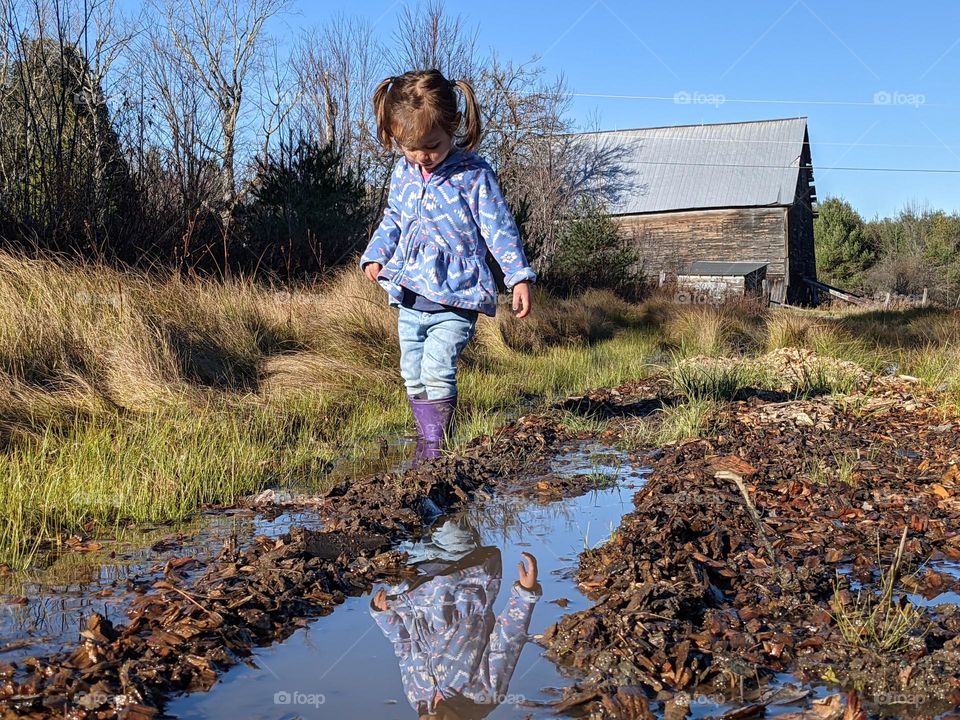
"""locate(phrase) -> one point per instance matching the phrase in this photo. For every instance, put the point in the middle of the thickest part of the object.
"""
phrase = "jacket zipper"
(406, 255)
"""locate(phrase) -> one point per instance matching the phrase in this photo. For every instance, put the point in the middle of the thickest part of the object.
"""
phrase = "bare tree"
(219, 43)
(59, 154)
(176, 158)
(278, 98)
(428, 37)
(6, 91)
(338, 67)
(548, 170)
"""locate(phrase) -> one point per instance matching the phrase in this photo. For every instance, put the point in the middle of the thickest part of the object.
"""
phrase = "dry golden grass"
(125, 396)
(792, 328)
(734, 328)
(592, 316)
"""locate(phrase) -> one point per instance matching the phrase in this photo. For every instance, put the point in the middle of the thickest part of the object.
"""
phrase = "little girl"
(444, 211)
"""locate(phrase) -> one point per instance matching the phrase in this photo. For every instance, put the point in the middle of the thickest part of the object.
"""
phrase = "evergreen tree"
(843, 250)
(309, 212)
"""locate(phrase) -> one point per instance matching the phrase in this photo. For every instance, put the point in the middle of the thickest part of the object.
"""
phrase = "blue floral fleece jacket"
(448, 640)
(435, 234)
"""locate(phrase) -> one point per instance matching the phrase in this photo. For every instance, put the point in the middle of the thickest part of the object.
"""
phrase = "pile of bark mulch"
(694, 592)
(185, 629)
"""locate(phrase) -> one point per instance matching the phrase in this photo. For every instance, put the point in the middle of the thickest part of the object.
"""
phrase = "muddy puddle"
(947, 591)
(43, 611)
(345, 665)
(686, 617)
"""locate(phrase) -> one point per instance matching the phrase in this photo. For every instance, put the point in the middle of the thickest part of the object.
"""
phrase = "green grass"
(691, 419)
(819, 378)
(127, 398)
(577, 423)
(879, 622)
(700, 381)
(841, 468)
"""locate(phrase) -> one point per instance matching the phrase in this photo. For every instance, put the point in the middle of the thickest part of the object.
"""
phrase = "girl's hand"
(380, 600)
(521, 299)
(371, 270)
(527, 571)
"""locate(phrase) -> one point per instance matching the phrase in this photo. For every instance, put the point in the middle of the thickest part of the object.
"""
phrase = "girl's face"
(430, 150)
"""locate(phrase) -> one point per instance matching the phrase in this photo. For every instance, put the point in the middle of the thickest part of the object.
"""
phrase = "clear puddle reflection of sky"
(344, 665)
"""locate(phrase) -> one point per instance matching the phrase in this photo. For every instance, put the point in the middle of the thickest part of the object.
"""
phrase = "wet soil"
(719, 595)
(199, 618)
(694, 594)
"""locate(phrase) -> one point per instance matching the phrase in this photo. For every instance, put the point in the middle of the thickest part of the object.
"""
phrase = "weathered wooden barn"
(729, 192)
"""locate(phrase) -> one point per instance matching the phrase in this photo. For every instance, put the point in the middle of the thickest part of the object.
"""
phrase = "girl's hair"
(409, 106)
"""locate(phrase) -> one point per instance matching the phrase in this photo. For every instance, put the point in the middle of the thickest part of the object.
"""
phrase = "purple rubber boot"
(433, 419)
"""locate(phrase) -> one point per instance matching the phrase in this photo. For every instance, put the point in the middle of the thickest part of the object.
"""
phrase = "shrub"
(592, 253)
(309, 211)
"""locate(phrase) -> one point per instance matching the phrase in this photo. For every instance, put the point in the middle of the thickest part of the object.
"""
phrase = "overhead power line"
(789, 167)
(749, 141)
(722, 99)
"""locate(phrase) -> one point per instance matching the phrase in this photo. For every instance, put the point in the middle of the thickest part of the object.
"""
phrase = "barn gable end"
(735, 192)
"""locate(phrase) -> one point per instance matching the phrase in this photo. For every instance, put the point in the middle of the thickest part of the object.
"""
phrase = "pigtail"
(381, 112)
(471, 120)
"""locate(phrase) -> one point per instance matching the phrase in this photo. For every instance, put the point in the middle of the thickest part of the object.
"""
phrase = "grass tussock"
(708, 379)
(688, 420)
(792, 329)
(879, 622)
(731, 329)
(841, 468)
(588, 318)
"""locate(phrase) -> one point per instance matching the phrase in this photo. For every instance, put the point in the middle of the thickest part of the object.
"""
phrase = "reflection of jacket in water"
(444, 631)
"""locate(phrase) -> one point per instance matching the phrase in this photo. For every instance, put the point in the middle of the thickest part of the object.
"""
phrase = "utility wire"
(748, 141)
(722, 99)
(808, 167)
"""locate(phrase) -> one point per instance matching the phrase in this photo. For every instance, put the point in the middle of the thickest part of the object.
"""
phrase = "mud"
(696, 595)
(726, 582)
(184, 629)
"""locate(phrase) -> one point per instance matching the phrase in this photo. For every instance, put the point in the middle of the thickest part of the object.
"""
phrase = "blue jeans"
(430, 345)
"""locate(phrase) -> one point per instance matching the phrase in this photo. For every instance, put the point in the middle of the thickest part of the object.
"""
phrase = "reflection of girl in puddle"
(456, 658)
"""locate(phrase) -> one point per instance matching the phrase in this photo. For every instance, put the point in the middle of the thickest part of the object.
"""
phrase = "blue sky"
(878, 81)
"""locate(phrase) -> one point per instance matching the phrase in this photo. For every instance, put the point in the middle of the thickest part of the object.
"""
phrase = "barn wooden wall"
(671, 241)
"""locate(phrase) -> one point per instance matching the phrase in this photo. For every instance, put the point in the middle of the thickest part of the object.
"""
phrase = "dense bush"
(915, 250)
(918, 249)
(308, 213)
(593, 254)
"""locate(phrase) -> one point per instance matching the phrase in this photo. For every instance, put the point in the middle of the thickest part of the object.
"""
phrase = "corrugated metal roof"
(747, 164)
(731, 269)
